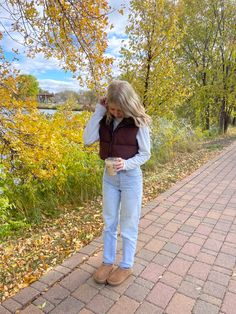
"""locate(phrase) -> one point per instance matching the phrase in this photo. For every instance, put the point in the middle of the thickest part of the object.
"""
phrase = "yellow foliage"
(150, 61)
(35, 146)
(41, 144)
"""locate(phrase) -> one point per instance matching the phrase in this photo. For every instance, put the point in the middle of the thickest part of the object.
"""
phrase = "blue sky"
(48, 72)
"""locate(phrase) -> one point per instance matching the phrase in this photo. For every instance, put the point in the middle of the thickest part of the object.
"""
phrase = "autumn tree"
(32, 147)
(208, 60)
(28, 86)
(225, 16)
(149, 59)
(71, 31)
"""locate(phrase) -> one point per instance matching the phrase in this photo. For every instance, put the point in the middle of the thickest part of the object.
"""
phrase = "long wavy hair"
(122, 94)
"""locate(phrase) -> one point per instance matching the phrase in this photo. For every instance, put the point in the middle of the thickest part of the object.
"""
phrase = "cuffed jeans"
(122, 198)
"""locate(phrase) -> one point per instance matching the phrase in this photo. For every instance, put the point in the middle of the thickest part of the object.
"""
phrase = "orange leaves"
(121, 11)
(24, 260)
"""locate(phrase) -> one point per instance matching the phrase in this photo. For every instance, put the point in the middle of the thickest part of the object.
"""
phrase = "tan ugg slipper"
(118, 276)
(102, 273)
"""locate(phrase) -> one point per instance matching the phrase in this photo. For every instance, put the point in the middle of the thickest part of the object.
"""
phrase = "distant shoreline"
(56, 108)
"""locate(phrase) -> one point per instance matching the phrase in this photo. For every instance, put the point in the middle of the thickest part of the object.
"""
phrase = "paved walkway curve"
(185, 261)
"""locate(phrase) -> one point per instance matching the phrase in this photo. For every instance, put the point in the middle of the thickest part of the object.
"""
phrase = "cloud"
(118, 20)
(11, 39)
(116, 36)
(38, 65)
(115, 43)
(58, 86)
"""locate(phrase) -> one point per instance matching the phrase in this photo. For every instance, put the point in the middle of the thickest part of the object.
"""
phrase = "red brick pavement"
(185, 261)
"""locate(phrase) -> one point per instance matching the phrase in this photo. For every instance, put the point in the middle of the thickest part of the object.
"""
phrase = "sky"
(48, 72)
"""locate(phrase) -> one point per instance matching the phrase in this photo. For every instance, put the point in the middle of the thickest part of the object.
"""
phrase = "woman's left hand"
(119, 164)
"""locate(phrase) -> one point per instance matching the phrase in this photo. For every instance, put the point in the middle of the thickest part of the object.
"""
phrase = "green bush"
(168, 138)
(79, 179)
(8, 221)
(58, 171)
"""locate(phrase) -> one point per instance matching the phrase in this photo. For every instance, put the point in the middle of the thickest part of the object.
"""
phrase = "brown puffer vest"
(121, 142)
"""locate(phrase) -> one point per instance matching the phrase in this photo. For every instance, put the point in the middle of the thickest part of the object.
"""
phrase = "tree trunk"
(207, 116)
(207, 109)
(149, 62)
(226, 123)
(146, 84)
(222, 117)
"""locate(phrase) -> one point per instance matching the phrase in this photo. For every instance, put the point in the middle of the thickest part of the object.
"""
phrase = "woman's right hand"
(103, 102)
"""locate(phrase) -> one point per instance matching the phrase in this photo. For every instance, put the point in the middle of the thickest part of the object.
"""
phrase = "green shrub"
(8, 221)
(53, 168)
(168, 138)
(78, 179)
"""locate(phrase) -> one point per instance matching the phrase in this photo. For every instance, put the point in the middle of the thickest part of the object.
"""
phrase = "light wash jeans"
(122, 198)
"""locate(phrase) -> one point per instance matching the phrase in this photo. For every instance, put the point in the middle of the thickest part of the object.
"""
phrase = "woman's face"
(115, 111)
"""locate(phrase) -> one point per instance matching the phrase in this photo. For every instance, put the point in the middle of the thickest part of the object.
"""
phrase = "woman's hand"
(119, 164)
(103, 102)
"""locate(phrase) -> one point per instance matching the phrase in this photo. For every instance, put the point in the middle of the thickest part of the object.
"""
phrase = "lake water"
(52, 111)
(48, 111)
(45, 111)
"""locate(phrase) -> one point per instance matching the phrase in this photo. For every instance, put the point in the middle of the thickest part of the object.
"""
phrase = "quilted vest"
(121, 142)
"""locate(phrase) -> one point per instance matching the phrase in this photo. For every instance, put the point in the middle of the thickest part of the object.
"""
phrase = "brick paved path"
(185, 262)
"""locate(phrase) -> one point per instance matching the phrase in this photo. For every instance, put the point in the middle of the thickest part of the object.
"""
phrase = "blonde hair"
(122, 94)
